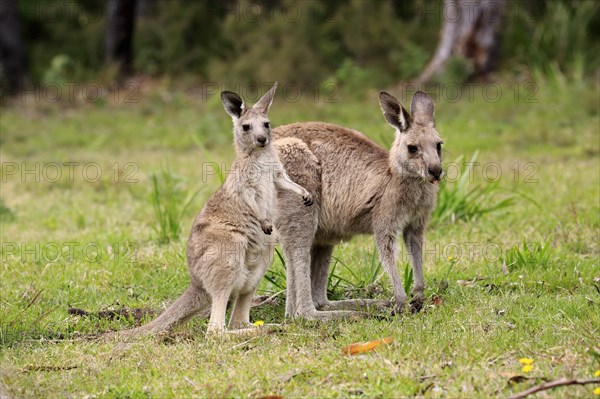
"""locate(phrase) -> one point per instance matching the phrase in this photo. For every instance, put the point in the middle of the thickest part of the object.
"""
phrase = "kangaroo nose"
(436, 172)
(261, 139)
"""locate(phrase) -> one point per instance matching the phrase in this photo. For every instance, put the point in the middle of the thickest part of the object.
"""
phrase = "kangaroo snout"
(261, 140)
(435, 172)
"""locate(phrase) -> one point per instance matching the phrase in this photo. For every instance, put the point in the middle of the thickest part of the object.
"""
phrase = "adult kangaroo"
(358, 188)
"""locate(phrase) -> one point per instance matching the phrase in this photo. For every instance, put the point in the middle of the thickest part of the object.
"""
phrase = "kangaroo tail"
(193, 301)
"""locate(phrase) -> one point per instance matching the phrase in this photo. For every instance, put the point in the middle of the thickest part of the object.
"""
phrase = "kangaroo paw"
(266, 227)
(307, 199)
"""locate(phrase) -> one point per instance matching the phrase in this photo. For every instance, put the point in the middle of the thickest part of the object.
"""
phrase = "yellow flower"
(450, 258)
(597, 373)
(527, 368)
(258, 323)
(526, 361)
(597, 391)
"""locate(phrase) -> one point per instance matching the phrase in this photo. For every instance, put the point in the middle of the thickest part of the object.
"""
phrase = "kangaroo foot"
(356, 304)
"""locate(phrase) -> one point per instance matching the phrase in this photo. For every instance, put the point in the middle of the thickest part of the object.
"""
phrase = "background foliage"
(349, 41)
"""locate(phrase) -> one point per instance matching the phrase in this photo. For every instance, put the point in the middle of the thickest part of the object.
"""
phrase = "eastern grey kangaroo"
(358, 188)
(229, 250)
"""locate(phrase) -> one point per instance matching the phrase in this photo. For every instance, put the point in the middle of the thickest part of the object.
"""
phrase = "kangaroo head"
(251, 126)
(417, 149)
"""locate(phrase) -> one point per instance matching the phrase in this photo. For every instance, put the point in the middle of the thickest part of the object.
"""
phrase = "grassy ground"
(89, 239)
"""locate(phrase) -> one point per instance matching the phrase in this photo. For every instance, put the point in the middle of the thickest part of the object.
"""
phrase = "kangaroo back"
(353, 169)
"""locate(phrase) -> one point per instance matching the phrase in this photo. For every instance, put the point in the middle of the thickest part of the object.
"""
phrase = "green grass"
(169, 201)
(466, 201)
(94, 242)
(528, 255)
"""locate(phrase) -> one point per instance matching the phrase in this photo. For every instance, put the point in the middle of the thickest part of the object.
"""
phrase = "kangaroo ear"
(266, 100)
(394, 113)
(234, 105)
(421, 109)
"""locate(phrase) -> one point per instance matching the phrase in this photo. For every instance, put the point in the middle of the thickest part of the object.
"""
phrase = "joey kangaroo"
(229, 249)
(358, 188)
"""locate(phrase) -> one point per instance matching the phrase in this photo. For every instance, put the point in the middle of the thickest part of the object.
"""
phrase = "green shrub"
(352, 80)
(276, 45)
(343, 279)
(465, 201)
(169, 200)
(59, 71)
(6, 214)
(361, 277)
(297, 42)
(73, 29)
(561, 35)
(528, 255)
(457, 71)
(355, 44)
(411, 59)
(276, 274)
(178, 36)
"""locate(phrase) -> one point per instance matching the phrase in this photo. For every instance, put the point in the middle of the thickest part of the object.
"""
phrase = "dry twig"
(554, 384)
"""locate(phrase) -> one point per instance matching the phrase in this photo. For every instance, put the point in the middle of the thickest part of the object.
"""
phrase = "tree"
(14, 72)
(118, 44)
(471, 31)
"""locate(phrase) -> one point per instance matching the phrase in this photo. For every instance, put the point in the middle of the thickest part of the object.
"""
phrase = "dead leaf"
(436, 300)
(362, 347)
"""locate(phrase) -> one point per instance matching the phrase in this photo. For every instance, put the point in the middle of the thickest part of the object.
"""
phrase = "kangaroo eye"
(246, 127)
(267, 125)
(412, 149)
(439, 147)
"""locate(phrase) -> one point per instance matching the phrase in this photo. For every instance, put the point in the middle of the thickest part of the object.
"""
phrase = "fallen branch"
(265, 300)
(554, 384)
(136, 313)
(139, 313)
(32, 367)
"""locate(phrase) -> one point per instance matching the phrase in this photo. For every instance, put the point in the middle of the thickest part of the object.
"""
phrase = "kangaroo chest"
(260, 185)
(253, 181)
(411, 204)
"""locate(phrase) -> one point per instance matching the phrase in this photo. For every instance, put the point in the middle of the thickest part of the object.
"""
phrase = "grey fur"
(358, 188)
(230, 246)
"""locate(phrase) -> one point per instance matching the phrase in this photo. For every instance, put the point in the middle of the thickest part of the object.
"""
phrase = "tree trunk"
(118, 45)
(471, 30)
(14, 72)
(144, 7)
